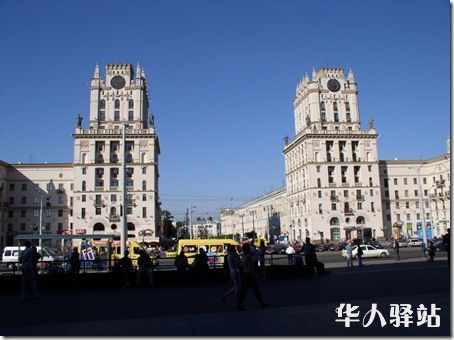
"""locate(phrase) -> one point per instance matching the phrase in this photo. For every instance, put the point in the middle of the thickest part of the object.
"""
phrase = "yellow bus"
(215, 249)
(89, 250)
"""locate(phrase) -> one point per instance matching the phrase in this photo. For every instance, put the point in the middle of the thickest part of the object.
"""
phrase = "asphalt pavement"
(304, 306)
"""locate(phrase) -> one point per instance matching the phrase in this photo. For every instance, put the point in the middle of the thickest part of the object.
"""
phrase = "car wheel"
(383, 255)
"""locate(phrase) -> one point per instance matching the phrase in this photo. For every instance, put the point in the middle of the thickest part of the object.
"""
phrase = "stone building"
(85, 196)
(336, 186)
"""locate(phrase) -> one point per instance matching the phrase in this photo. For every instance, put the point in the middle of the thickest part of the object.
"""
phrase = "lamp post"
(191, 232)
(124, 209)
(253, 221)
(242, 225)
(421, 205)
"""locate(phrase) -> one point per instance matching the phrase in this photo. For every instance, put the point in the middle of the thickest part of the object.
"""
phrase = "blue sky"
(222, 77)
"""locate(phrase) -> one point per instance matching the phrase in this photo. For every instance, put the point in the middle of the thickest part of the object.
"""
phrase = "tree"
(182, 231)
(169, 230)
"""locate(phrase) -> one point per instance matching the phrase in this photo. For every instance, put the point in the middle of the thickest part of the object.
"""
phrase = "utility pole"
(124, 210)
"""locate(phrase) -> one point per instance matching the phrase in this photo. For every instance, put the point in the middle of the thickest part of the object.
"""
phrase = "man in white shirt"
(290, 251)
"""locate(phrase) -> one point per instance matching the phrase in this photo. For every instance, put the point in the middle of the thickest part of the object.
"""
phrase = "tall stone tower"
(119, 98)
(331, 166)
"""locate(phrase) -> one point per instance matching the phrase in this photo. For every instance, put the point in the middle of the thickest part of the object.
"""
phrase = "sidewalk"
(311, 320)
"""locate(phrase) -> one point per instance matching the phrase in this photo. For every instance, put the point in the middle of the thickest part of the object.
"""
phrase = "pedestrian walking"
(423, 248)
(431, 252)
(349, 253)
(126, 268)
(447, 242)
(233, 264)
(359, 253)
(73, 266)
(36, 257)
(249, 278)
(310, 257)
(396, 247)
(145, 267)
(200, 263)
(290, 251)
(262, 252)
(29, 289)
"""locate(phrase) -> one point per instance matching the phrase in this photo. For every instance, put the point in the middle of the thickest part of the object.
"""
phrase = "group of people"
(310, 257)
(144, 268)
(245, 270)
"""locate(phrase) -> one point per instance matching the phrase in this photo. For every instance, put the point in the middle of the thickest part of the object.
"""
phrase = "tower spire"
(314, 74)
(350, 76)
(96, 73)
(138, 73)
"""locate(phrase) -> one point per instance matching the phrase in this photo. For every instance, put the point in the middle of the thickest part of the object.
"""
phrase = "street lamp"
(242, 225)
(191, 232)
(421, 204)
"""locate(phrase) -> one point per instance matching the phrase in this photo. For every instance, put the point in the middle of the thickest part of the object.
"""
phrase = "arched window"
(322, 106)
(84, 185)
(144, 157)
(319, 182)
(130, 104)
(368, 157)
(131, 226)
(335, 106)
(117, 104)
(98, 227)
(102, 104)
(84, 158)
(144, 185)
(317, 157)
(334, 221)
(360, 220)
(113, 211)
(347, 106)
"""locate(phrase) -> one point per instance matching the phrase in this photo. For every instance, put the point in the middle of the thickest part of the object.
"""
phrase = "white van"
(11, 256)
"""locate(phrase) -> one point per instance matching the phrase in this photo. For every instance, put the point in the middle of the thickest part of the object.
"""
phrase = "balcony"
(333, 198)
(348, 212)
(99, 188)
(332, 185)
(114, 218)
(99, 204)
(358, 184)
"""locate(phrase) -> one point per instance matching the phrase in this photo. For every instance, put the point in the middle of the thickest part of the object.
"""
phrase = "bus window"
(189, 249)
(136, 250)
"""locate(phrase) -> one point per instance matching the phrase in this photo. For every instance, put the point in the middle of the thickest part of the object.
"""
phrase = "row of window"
(347, 207)
(49, 186)
(113, 212)
(36, 200)
(102, 104)
(116, 115)
(35, 227)
(415, 180)
(46, 213)
(335, 106)
(114, 183)
(408, 217)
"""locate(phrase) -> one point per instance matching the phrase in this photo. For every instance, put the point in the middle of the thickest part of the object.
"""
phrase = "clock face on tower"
(333, 85)
(117, 82)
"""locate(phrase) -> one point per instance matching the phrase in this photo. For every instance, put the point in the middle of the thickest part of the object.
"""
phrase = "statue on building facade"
(371, 123)
(79, 121)
(151, 119)
(308, 120)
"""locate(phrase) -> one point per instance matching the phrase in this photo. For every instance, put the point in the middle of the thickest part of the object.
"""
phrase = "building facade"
(332, 173)
(84, 197)
(336, 186)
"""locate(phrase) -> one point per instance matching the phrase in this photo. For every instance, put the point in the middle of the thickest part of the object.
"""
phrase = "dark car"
(440, 246)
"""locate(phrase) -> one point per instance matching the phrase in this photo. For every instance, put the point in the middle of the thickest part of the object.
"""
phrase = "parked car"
(414, 242)
(368, 251)
(375, 244)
